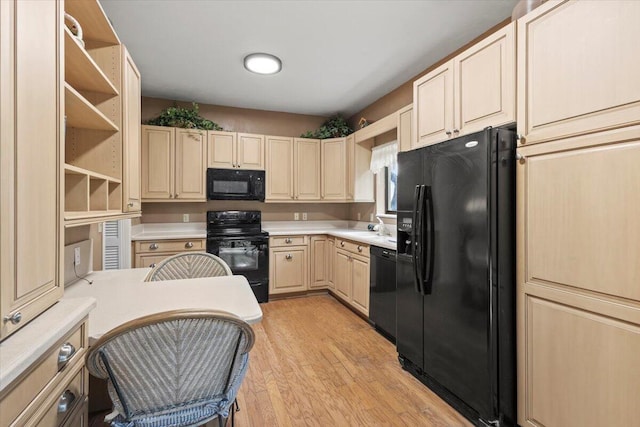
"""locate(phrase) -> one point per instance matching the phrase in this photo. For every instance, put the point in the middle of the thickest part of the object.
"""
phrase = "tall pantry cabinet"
(578, 213)
(31, 127)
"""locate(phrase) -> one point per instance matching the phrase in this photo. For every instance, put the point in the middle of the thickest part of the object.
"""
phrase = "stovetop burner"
(234, 223)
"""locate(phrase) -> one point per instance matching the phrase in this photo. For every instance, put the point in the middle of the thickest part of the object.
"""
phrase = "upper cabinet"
(306, 165)
(31, 129)
(231, 150)
(334, 169)
(577, 72)
(279, 174)
(293, 169)
(131, 149)
(405, 121)
(474, 90)
(173, 164)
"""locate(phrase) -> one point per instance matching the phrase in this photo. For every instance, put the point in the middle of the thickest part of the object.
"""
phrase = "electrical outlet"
(76, 256)
(185, 217)
(304, 216)
(296, 216)
(100, 227)
(359, 216)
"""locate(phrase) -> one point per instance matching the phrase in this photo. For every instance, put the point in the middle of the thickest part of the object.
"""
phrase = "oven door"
(228, 184)
(246, 255)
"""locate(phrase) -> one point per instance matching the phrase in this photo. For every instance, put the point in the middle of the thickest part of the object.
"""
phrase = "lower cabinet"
(352, 278)
(288, 269)
(318, 261)
(147, 253)
(330, 261)
(53, 391)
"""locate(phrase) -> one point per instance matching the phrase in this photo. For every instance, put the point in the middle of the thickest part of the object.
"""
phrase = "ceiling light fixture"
(262, 63)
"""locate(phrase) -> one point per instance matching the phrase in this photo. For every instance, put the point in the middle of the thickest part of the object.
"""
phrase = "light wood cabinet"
(433, 101)
(578, 295)
(250, 151)
(99, 97)
(318, 260)
(131, 119)
(33, 398)
(173, 164)
(147, 253)
(330, 261)
(158, 166)
(288, 269)
(334, 169)
(306, 166)
(191, 165)
(230, 150)
(279, 170)
(31, 71)
(293, 169)
(577, 69)
(405, 121)
(351, 274)
(474, 90)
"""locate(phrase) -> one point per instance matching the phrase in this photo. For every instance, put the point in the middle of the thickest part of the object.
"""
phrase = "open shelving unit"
(93, 112)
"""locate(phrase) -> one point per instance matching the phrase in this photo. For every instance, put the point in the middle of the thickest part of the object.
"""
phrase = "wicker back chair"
(177, 368)
(189, 265)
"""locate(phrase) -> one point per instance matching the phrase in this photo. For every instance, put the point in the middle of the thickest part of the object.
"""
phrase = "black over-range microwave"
(233, 184)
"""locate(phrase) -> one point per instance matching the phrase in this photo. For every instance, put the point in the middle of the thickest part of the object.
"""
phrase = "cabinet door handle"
(359, 248)
(287, 240)
(67, 350)
(289, 256)
(448, 133)
(342, 244)
(520, 139)
(153, 246)
(176, 195)
(66, 400)
(188, 245)
(520, 158)
(456, 131)
(130, 204)
(15, 318)
(153, 265)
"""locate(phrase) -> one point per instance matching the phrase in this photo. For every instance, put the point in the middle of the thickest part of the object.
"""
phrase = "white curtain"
(385, 155)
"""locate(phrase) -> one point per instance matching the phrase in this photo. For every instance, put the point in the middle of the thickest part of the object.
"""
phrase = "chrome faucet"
(381, 227)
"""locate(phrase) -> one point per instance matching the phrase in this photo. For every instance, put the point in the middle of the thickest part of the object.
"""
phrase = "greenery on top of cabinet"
(182, 117)
(334, 127)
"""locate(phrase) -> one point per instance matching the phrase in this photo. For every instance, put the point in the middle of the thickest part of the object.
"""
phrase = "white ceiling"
(338, 56)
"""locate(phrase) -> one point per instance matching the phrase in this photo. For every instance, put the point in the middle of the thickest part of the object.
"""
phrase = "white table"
(122, 295)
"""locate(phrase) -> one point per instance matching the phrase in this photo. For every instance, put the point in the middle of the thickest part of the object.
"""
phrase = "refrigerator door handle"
(429, 241)
(416, 237)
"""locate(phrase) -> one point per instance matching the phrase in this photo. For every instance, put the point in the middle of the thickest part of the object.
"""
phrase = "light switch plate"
(185, 217)
(304, 216)
(296, 216)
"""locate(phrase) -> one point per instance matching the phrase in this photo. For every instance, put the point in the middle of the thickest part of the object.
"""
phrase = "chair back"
(183, 362)
(189, 265)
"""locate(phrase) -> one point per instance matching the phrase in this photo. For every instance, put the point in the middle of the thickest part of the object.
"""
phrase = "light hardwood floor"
(316, 363)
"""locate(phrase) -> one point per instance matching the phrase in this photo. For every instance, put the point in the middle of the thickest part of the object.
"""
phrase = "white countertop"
(24, 347)
(343, 229)
(164, 231)
(335, 228)
(122, 295)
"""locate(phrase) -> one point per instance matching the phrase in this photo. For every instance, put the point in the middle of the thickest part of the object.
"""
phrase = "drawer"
(63, 403)
(275, 242)
(56, 363)
(151, 246)
(354, 247)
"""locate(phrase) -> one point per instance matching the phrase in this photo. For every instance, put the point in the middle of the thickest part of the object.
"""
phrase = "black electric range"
(237, 238)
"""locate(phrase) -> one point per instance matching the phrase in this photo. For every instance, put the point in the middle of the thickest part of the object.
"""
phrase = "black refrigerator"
(456, 272)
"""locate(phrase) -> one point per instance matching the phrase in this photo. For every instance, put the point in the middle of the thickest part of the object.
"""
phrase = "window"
(391, 190)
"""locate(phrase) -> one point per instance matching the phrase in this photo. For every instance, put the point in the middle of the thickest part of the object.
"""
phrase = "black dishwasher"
(382, 302)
